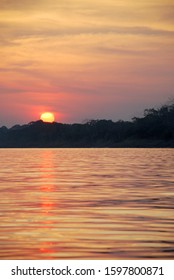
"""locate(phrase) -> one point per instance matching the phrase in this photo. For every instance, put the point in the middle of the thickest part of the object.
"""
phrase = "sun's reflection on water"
(86, 204)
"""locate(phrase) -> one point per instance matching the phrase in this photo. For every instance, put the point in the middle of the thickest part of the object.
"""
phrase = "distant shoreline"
(132, 145)
(154, 130)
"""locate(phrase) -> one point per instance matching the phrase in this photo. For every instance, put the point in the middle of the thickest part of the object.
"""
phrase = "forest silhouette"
(154, 129)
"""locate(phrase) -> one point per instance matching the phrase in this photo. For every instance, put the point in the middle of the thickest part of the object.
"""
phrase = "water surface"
(86, 204)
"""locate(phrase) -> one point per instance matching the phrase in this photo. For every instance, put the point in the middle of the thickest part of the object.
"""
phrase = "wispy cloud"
(85, 52)
(18, 4)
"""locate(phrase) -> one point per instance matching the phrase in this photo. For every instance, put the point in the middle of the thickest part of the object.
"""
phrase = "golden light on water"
(86, 204)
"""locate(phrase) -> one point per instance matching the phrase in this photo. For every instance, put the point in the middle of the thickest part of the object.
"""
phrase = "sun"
(47, 117)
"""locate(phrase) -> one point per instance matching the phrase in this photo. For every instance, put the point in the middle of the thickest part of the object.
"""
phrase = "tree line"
(154, 129)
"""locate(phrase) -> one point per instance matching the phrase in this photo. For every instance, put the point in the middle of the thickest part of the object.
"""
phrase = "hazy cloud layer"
(84, 59)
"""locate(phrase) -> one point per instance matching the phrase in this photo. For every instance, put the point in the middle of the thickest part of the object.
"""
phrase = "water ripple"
(86, 204)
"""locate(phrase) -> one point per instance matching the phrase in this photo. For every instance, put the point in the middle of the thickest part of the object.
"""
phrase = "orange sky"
(84, 59)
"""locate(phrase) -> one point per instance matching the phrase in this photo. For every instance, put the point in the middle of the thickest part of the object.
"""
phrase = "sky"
(84, 59)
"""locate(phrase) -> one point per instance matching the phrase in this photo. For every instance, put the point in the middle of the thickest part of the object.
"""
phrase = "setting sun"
(47, 117)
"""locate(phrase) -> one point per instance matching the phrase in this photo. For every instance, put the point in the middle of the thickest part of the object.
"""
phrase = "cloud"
(76, 18)
(164, 11)
(18, 4)
(84, 52)
(41, 30)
